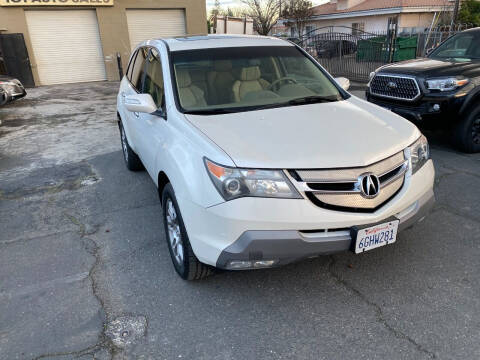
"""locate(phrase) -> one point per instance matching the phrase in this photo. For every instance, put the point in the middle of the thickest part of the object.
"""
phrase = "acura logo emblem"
(369, 185)
(392, 85)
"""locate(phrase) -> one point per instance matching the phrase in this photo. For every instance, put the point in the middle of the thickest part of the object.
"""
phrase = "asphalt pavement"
(85, 271)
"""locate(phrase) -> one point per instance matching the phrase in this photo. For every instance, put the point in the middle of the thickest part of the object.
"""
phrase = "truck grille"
(395, 87)
(342, 189)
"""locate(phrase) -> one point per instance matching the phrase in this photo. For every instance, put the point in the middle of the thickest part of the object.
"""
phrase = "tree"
(217, 8)
(264, 14)
(297, 13)
(469, 12)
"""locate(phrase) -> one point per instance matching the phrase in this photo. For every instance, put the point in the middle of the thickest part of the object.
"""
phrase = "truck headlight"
(419, 153)
(446, 84)
(233, 183)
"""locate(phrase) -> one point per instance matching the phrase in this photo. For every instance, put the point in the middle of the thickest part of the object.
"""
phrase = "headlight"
(446, 84)
(233, 183)
(419, 153)
(8, 86)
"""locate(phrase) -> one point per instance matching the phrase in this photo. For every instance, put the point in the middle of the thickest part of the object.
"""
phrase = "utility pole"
(455, 14)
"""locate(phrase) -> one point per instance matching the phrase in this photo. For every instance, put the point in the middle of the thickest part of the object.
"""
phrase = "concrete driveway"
(85, 271)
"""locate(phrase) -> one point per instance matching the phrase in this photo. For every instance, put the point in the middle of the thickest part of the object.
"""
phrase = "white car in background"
(261, 158)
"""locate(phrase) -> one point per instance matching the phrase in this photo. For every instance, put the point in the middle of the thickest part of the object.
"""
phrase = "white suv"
(261, 158)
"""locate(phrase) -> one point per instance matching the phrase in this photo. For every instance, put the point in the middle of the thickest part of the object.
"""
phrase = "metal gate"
(14, 58)
(350, 52)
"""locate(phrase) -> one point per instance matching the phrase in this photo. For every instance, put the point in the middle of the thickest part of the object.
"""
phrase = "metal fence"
(352, 53)
(349, 52)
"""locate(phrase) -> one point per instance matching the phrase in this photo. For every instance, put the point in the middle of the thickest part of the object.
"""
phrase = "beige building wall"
(376, 23)
(372, 23)
(112, 23)
(408, 20)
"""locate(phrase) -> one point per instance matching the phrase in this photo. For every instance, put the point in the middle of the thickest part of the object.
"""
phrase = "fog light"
(263, 263)
(249, 264)
(436, 107)
(239, 264)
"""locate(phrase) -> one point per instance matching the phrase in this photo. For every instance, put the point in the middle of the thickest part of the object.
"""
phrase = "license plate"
(376, 236)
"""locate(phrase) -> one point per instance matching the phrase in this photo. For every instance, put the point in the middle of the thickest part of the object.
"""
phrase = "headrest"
(222, 65)
(250, 73)
(183, 78)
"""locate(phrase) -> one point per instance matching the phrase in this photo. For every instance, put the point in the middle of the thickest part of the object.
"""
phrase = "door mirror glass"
(343, 82)
(142, 103)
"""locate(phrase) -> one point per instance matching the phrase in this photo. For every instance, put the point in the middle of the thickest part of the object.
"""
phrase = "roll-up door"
(66, 45)
(150, 24)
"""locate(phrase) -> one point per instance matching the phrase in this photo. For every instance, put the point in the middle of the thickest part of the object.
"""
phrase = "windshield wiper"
(312, 100)
(216, 111)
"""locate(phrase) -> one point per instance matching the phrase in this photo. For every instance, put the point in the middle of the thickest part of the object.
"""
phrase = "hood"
(432, 67)
(346, 133)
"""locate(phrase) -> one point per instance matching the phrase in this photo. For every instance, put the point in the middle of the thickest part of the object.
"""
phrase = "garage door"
(66, 46)
(148, 24)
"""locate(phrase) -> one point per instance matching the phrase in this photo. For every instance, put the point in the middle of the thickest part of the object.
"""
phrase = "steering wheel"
(275, 85)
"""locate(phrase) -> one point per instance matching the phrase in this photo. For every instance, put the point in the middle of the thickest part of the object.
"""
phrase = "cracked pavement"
(85, 271)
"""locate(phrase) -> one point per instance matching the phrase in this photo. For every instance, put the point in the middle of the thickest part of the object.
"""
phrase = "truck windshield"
(228, 80)
(465, 45)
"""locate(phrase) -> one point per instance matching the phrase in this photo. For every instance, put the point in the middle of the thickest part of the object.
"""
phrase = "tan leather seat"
(220, 82)
(249, 80)
(190, 95)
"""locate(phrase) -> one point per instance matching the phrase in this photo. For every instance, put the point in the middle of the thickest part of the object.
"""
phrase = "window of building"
(358, 28)
(309, 29)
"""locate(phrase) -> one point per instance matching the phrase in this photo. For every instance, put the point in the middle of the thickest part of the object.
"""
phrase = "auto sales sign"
(56, 2)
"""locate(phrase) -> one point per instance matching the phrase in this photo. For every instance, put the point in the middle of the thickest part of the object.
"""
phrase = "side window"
(130, 66)
(138, 68)
(153, 83)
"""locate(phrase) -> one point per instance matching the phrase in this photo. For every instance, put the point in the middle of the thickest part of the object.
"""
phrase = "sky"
(237, 3)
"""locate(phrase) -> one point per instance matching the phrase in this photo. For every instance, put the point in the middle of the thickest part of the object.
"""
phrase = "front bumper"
(287, 246)
(425, 108)
(13, 92)
(243, 226)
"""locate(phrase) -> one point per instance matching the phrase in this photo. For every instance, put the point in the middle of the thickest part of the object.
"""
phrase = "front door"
(150, 127)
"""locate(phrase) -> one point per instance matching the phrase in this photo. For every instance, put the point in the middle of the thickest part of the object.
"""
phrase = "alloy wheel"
(174, 234)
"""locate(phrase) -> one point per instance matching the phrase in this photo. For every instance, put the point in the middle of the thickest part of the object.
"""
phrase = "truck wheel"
(467, 132)
(184, 260)
(132, 160)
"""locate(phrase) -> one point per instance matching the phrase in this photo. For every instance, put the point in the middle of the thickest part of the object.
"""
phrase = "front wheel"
(467, 132)
(184, 260)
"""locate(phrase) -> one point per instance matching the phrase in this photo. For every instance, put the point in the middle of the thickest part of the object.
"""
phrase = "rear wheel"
(132, 160)
(184, 260)
(467, 132)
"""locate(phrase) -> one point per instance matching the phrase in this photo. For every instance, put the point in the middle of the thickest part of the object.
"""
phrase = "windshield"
(227, 80)
(465, 45)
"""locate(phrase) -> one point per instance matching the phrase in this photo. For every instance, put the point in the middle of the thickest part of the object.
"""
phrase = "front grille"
(340, 189)
(395, 87)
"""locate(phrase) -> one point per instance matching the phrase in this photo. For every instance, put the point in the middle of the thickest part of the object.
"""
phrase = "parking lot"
(85, 271)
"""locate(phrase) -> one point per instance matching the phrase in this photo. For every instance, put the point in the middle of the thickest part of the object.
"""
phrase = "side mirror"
(343, 82)
(142, 103)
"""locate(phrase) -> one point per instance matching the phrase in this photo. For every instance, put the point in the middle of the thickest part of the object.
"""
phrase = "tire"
(467, 132)
(132, 160)
(184, 260)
